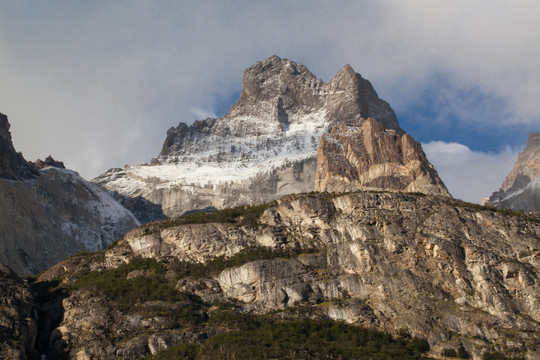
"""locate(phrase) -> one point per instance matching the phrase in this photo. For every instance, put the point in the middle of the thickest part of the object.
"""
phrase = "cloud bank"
(470, 175)
(97, 84)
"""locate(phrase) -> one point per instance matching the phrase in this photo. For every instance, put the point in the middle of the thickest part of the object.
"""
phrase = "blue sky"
(96, 84)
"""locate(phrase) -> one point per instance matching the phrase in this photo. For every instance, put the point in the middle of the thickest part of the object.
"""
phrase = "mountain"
(263, 148)
(48, 213)
(273, 279)
(521, 188)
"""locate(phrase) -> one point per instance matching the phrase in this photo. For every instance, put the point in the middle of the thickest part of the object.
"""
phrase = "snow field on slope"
(211, 161)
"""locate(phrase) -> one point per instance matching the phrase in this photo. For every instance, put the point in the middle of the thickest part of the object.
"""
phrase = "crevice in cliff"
(48, 313)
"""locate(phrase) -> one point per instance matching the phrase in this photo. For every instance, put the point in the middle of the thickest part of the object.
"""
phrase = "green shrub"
(449, 353)
(497, 356)
(462, 353)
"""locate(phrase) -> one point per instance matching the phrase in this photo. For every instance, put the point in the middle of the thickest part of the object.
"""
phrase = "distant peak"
(346, 71)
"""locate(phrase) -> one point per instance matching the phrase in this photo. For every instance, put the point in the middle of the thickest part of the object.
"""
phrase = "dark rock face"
(371, 157)
(12, 164)
(17, 327)
(263, 148)
(48, 212)
(521, 188)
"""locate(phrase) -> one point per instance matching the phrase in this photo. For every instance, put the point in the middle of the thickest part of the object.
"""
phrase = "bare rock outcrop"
(371, 156)
(521, 188)
(453, 273)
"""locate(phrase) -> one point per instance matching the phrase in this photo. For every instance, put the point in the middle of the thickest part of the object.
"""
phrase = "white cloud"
(97, 84)
(470, 175)
(201, 114)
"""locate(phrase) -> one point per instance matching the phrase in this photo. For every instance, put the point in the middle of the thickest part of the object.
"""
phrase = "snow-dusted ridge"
(263, 148)
(521, 187)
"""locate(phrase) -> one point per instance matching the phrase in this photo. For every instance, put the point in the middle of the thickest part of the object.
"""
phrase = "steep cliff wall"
(369, 156)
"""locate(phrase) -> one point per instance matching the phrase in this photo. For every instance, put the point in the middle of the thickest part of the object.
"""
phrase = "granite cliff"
(263, 148)
(521, 188)
(48, 213)
(371, 157)
(463, 277)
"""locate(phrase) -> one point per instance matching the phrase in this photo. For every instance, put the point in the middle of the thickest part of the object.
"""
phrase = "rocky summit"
(48, 213)
(456, 277)
(521, 188)
(263, 148)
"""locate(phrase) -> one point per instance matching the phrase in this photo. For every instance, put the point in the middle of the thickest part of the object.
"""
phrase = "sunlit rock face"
(521, 188)
(48, 213)
(263, 148)
(370, 157)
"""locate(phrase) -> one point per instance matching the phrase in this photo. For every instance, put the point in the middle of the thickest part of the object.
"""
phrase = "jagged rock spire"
(13, 166)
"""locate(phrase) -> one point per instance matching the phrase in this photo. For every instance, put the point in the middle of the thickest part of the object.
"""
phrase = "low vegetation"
(461, 353)
(218, 264)
(239, 216)
(126, 293)
(498, 356)
(267, 338)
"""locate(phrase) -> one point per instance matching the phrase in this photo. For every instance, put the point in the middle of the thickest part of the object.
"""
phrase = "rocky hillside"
(263, 148)
(521, 188)
(17, 326)
(371, 157)
(48, 213)
(463, 277)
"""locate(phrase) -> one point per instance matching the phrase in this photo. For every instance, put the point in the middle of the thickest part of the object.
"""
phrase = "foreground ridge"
(461, 276)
